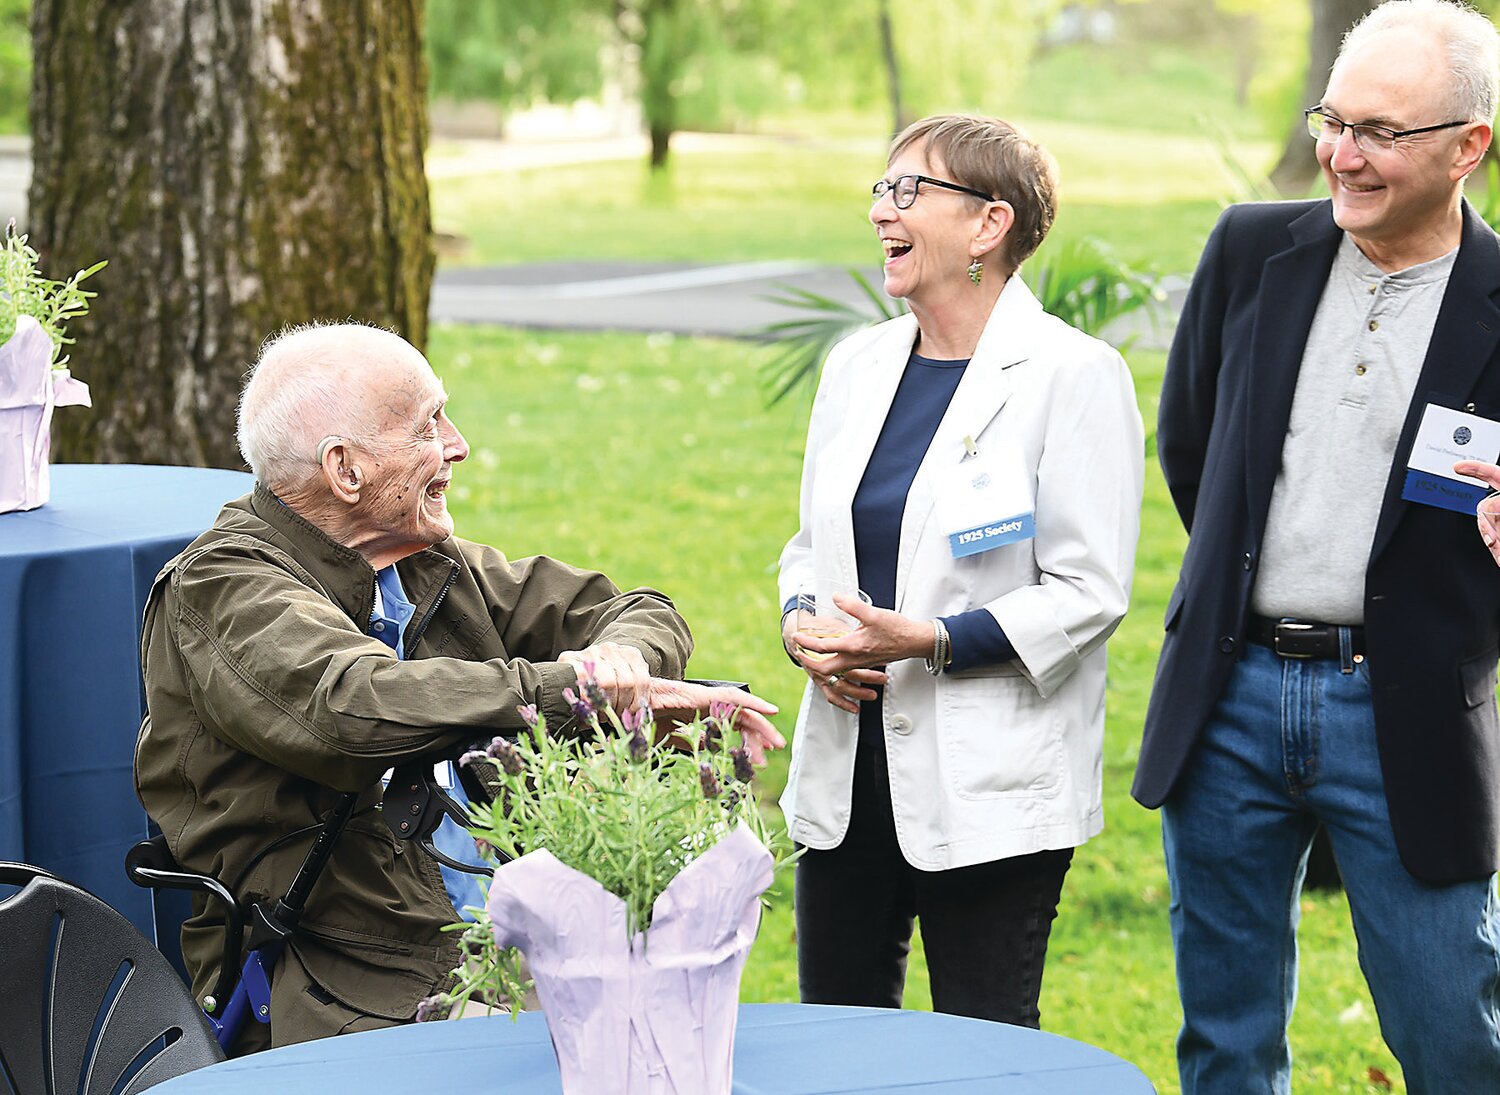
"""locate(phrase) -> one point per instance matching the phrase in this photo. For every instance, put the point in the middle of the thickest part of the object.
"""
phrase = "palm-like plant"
(1085, 283)
(801, 344)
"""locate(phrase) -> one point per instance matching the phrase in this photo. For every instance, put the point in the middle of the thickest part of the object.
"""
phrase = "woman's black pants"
(984, 927)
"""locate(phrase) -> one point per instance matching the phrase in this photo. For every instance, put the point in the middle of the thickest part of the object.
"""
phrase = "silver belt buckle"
(1292, 628)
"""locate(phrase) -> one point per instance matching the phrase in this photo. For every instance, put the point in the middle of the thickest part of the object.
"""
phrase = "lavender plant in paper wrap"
(637, 864)
(34, 312)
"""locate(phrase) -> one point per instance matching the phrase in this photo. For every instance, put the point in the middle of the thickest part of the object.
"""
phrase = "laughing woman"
(975, 467)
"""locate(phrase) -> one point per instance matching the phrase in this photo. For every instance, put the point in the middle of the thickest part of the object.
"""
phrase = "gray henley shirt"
(1359, 369)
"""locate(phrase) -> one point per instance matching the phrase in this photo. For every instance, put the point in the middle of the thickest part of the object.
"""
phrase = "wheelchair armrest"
(150, 864)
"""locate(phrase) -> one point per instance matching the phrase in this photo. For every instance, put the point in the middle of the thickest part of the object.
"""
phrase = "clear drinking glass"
(818, 615)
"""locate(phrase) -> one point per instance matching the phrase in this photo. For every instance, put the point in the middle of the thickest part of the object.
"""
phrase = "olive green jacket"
(266, 698)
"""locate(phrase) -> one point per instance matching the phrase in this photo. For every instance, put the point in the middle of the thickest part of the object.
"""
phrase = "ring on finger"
(834, 678)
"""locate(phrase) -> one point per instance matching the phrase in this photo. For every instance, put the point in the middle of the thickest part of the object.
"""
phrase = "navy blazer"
(1432, 592)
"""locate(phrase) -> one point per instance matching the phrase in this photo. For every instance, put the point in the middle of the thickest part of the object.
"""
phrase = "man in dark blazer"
(1331, 647)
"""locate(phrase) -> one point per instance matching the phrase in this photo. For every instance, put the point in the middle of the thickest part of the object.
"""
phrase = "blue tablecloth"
(74, 576)
(780, 1049)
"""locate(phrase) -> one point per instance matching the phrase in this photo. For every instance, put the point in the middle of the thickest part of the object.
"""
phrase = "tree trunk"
(899, 118)
(663, 44)
(1298, 166)
(243, 166)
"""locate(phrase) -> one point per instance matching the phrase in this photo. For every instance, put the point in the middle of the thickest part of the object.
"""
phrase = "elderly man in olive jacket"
(330, 626)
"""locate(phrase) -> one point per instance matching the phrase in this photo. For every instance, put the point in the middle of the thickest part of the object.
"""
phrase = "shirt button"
(1226, 644)
(1374, 325)
(379, 626)
(1360, 369)
(1249, 560)
(900, 724)
(1469, 407)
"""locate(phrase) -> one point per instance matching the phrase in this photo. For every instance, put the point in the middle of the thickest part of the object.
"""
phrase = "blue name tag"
(1458, 495)
(993, 534)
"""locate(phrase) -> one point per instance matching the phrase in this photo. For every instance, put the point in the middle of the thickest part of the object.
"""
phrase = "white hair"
(1468, 38)
(301, 390)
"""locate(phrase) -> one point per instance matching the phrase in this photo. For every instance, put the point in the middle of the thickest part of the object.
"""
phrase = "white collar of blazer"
(1014, 327)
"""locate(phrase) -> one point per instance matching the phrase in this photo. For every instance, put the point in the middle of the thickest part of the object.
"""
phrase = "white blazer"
(1002, 760)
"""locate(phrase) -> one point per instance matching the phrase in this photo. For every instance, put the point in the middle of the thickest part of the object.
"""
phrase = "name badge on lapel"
(1444, 437)
(985, 504)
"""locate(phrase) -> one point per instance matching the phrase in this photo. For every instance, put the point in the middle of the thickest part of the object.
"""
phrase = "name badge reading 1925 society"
(986, 503)
(1445, 437)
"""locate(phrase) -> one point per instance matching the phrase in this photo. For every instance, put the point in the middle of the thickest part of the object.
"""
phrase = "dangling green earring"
(976, 271)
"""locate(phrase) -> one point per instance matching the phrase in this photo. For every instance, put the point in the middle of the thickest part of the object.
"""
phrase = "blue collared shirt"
(388, 619)
(391, 612)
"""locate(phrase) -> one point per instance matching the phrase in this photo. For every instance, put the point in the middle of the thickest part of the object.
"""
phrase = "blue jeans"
(1292, 744)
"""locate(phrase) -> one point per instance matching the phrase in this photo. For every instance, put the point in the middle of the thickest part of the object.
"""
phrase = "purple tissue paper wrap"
(29, 389)
(649, 1015)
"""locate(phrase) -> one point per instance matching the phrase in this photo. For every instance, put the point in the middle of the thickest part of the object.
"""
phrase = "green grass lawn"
(653, 458)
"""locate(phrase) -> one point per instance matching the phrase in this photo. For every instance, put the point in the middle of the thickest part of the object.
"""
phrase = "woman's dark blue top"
(921, 399)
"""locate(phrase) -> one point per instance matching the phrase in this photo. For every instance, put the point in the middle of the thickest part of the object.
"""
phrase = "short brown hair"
(997, 158)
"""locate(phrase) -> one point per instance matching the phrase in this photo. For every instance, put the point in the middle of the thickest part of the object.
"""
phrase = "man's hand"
(619, 670)
(676, 702)
(1490, 473)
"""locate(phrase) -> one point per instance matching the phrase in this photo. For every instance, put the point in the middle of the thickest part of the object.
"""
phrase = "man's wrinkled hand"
(619, 670)
(676, 702)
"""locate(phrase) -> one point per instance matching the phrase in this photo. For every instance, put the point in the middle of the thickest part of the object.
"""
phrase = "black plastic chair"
(89, 1005)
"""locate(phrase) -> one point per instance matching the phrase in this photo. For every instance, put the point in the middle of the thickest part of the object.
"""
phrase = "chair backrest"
(88, 1004)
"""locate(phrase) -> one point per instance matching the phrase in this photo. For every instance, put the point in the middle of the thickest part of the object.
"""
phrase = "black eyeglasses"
(1326, 128)
(903, 189)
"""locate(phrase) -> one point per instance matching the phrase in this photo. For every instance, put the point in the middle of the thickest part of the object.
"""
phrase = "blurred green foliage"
(720, 64)
(514, 53)
(15, 64)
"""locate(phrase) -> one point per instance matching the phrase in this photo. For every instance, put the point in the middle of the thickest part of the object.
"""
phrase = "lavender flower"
(505, 751)
(712, 739)
(433, 1008)
(471, 756)
(529, 714)
(708, 780)
(595, 694)
(580, 705)
(634, 718)
(744, 771)
(633, 722)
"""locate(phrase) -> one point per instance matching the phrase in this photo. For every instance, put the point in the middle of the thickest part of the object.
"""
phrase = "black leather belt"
(1302, 638)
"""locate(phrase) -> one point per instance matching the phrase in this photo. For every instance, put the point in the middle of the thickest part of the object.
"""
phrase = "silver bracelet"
(941, 652)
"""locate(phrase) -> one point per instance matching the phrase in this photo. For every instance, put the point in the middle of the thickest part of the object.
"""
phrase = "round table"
(74, 575)
(780, 1049)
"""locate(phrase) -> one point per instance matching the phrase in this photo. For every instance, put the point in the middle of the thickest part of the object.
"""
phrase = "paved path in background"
(729, 300)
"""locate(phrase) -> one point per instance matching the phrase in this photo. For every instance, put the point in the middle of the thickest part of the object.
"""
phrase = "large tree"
(243, 166)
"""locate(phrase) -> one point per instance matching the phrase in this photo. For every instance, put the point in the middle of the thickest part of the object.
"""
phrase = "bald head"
(316, 382)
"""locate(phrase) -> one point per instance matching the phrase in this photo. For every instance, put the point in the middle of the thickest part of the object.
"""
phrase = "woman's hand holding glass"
(845, 655)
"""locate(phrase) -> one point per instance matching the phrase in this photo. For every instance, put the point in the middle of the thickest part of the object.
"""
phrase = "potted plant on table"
(34, 378)
(637, 862)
